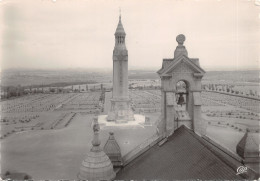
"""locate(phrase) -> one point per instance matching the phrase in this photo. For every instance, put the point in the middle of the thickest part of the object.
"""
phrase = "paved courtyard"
(57, 154)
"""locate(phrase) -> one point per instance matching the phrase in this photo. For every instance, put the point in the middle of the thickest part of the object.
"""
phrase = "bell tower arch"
(181, 92)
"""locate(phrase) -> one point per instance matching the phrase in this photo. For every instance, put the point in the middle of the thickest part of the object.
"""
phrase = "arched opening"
(182, 95)
(182, 100)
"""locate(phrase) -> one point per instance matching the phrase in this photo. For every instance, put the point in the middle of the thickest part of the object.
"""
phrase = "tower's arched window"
(181, 95)
(120, 39)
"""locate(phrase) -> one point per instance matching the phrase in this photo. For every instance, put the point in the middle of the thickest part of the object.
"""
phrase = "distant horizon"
(111, 69)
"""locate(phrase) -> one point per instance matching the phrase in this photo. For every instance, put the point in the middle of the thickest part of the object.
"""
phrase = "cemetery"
(87, 101)
(245, 103)
(45, 111)
(52, 111)
(147, 101)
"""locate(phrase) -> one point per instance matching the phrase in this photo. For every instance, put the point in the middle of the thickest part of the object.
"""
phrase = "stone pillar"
(170, 112)
(199, 124)
(189, 103)
(162, 124)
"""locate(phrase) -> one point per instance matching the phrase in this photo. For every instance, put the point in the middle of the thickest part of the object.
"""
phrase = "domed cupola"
(96, 165)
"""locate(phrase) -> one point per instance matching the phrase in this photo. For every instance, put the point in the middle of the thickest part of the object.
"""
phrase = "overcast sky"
(223, 34)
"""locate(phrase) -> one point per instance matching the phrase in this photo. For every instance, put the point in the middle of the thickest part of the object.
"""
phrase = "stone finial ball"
(180, 39)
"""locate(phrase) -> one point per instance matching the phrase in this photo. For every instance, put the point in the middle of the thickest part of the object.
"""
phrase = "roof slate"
(183, 156)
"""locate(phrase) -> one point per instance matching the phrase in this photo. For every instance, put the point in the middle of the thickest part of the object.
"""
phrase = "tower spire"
(119, 13)
(120, 29)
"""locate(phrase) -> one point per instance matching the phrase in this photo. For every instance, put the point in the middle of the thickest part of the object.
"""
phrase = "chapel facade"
(181, 92)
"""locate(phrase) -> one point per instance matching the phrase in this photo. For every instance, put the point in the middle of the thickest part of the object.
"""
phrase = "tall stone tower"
(120, 111)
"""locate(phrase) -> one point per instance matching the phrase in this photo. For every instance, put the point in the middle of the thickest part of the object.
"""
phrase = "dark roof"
(184, 156)
(111, 147)
(241, 145)
(248, 146)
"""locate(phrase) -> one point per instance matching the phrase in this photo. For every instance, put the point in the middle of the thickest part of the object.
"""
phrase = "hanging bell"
(181, 100)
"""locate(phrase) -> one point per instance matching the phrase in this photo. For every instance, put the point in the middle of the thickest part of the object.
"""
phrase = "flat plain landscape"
(46, 134)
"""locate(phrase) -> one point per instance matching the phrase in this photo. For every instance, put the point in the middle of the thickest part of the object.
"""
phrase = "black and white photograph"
(106, 90)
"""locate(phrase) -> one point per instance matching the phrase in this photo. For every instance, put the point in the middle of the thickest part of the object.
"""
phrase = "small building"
(248, 149)
(113, 151)
(96, 165)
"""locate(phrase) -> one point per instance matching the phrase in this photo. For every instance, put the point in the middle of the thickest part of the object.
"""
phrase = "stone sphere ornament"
(180, 39)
